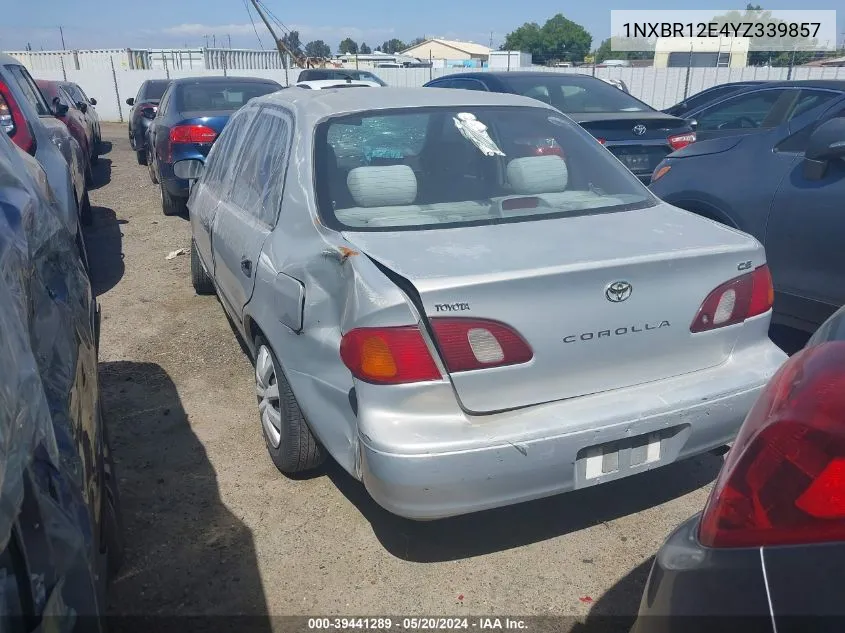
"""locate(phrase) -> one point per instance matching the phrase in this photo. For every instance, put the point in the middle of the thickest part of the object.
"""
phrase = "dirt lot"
(212, 527)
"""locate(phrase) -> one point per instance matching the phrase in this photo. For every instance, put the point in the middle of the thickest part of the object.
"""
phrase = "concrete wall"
(659, 87)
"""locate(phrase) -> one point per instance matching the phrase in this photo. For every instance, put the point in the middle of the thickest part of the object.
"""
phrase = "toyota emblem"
(639, 129)
(618, 291)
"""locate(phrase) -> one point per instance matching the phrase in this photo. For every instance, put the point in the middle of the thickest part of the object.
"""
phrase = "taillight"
(602, 141)
(388, 355)
(678, 141)
(396, 355)
(736, 300)
(192, 134)
(13, 121)
(468, 344)
(783, 481)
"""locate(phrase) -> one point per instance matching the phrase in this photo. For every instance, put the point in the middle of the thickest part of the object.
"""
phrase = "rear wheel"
(141, 156)
(151, 167)
(291, 445)
(170, 204)
(203, 285)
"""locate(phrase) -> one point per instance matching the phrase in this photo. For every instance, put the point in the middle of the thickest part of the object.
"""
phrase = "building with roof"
(448, 50)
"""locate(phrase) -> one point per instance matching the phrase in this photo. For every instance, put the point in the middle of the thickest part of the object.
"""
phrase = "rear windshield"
(569, 94)
(355, 75)
(219, 96)
(154, 89)
(443, 167)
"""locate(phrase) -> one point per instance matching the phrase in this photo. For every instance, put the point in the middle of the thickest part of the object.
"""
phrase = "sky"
(177, 23)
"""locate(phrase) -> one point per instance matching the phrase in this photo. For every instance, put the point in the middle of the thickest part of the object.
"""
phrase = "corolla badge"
(618, 291)
(639, 129)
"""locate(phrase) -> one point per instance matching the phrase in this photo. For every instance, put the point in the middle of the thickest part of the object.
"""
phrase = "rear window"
(219, 96)
(154, 90)
(445, 167)
(574, 95)
(30, 91)
(355, 75)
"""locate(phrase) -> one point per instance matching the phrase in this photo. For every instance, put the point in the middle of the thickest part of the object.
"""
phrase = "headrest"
(538, 174)
(387, 186)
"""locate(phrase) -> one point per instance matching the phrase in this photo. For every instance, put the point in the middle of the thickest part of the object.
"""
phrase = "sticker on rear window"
(476, 133)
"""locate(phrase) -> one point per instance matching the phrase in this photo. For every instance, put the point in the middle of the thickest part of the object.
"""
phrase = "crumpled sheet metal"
(46, 339)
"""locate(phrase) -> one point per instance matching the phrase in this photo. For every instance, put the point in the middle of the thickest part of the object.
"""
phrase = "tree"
(348, 46)
(364, 49)
(415, 41)
(604, 51)
(393, 46)
(291, 40)
(558, 39)
(318, 48)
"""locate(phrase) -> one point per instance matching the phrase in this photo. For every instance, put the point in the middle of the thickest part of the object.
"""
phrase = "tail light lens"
(602, 141)
(468, 344)
(388, 356)
(678, 141)
(192, 134)
(737, 300)
(783, 481)
(397, 355)
(13, 121)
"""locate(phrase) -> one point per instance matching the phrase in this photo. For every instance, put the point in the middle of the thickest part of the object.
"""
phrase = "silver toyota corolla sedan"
(467, 301)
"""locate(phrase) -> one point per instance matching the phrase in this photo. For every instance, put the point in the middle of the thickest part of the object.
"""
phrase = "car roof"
(311, 106)
(222, 78)
(521, 73)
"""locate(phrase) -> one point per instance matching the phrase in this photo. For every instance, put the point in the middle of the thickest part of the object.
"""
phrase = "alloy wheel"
(267, 392)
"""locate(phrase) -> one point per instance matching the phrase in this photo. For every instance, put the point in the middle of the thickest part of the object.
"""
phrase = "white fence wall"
(659, 87)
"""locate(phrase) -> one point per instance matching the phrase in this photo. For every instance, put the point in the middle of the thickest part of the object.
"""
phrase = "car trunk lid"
(551, 282)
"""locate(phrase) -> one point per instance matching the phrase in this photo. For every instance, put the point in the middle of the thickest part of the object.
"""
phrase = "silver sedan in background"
(468, 302)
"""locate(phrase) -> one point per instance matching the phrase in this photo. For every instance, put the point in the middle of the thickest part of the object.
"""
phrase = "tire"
(86, 215)
(203, 284)
(141, 157)
(151, 168)
(291, 445)
(170, 204)
(89, 176)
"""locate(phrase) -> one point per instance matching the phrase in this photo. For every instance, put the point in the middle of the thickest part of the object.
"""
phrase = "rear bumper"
(693, 589)
(175, 186)
(491, 466)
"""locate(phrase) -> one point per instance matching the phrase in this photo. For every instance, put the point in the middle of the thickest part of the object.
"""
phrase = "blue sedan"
(769, 161)
(191, 114)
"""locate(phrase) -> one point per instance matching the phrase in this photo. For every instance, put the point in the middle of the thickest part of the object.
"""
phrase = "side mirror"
(59, 108)
(130, 101)
(826, 143)
(92, 101)
(82, 107)
(189, 169)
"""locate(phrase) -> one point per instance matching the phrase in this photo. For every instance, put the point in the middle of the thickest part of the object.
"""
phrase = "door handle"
(246, 267)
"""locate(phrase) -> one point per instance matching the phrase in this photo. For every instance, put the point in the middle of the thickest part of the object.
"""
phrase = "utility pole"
(230, 41)
(206, 41)
(213, 41)
(283, 49)
(62, 33)
(491, 39)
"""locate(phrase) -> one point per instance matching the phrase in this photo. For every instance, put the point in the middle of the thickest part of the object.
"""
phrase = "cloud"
(200, 30)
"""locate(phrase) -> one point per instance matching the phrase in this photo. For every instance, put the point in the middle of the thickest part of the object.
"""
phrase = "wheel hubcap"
(267, 391)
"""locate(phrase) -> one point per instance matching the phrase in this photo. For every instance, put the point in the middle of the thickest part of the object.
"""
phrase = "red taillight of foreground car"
(13, 122)
(679, 141)
(783, 481)
(388, 355)
(737, 300)
(192, 134)
(397, 355)
(468, 344)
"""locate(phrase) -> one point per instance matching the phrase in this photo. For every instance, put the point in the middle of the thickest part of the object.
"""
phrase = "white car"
(323, 84)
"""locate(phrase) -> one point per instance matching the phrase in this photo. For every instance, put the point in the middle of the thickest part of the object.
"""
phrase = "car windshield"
(569, 94)
(444, 167)
(214, 96)
(355, 75)
(155, 89)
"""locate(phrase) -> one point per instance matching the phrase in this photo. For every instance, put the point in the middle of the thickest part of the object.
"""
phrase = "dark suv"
(144, 108)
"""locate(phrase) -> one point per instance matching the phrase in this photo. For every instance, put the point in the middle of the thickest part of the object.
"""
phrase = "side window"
(468, 84)
(65, 98)
(218, 161)
(260, 178)
(746, 111)
(30, 91)
(797, 142)
(443, 83)
(165, 101)
(810, 99)
(140, 96)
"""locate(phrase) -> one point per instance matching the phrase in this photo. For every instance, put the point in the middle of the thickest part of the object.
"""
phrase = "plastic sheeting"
(49, 426)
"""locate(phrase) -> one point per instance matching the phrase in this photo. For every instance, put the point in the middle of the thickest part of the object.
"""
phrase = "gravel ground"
(213, 528)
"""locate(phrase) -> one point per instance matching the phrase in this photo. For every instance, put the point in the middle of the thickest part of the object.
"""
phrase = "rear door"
(160, 127)
(243, 221)
(804, 234)
(747, 113)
